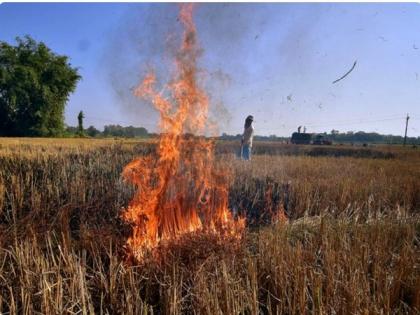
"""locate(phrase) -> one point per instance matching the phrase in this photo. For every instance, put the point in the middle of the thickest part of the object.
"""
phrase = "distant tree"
(113, 131)
(80, 129)
(368, 137)
(126, 132)
(35, 84)
(71, 131)
(92, 131)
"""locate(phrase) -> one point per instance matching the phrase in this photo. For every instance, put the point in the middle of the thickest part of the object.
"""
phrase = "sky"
(276, 62)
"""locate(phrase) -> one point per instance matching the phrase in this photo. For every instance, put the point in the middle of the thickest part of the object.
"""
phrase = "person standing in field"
(246, 141)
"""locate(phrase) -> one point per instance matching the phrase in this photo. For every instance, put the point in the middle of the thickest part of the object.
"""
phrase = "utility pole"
(406, 125)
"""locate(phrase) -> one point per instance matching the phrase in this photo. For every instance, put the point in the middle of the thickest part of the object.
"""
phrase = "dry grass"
(352, 246)
(347, 186)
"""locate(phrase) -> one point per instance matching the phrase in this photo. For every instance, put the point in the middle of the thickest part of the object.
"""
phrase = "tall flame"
(180, 190)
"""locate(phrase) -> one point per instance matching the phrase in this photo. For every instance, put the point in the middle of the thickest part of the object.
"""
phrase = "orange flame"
(181, 190)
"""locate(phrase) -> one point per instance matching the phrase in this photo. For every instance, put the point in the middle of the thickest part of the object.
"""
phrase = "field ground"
(350, 246)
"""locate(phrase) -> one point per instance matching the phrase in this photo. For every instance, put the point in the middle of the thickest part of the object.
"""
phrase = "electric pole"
(406, 125)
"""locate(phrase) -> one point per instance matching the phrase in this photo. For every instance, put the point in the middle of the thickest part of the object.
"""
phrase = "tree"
(35, 84)
(128, 132)
(80, 129)
(71, 131)
(92, 131)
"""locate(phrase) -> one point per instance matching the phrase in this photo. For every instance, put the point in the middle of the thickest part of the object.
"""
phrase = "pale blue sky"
(275, 61)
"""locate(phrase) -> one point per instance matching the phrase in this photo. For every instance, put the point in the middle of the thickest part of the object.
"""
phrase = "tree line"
(368, 137)
(108, 131)
(335, 136)
(35, 85)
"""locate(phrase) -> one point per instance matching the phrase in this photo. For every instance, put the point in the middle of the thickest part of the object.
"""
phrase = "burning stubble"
(181, 190)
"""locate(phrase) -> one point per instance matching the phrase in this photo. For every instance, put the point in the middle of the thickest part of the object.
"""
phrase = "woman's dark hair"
(248, 121)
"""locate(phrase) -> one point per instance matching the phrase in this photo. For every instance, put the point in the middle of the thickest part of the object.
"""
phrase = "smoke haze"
(148, 35)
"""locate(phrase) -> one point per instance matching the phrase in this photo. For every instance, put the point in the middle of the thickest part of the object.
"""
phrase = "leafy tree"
(80, 129)
(71, 131)
(35, 84)
(92, 131)
(128, 132)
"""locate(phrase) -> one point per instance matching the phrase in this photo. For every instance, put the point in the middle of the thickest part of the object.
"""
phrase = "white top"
(248, 135)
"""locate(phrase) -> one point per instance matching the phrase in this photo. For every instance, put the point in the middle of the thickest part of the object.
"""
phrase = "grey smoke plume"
(149, 35)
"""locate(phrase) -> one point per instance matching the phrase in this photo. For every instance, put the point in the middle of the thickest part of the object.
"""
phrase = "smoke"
(143, 40)
(231, 36)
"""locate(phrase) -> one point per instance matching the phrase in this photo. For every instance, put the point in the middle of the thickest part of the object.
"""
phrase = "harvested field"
(350, 244)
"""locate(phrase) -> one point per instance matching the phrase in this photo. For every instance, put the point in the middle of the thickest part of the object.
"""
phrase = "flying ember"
(180, 189)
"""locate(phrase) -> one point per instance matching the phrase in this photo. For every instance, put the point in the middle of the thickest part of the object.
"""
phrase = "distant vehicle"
(321, 140)
(301, 138)
(309, 138)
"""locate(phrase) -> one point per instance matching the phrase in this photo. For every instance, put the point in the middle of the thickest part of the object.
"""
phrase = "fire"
(181, 189)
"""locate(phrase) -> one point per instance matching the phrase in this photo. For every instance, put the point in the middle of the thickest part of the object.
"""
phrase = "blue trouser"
(246, 152)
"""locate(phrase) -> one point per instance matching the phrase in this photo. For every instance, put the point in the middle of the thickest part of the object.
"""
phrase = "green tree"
(71, 131)
(80, 129)
(92, 131)
(127, 132)
(35, 84)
